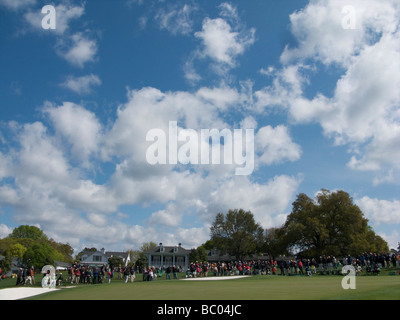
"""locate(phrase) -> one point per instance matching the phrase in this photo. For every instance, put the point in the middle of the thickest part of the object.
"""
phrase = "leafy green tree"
(148, 246)
(28, 232)
(198, 254)
(39, 255)
(27, 238)
(330, 224)
(6, 263)
(64, 249)
(116, 261)
(141, 260)
(17, 250)
(209, 245)
(237, 233)
(273, 245)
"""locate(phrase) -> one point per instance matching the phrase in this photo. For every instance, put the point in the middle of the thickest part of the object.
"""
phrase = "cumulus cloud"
(380, 211)
(78, 126)
(176, 19)
(275, 145)
(77, 49)
(65, 13)
(363, 111)
(82, 85)
(52, 186)
(4, 231)
(17, 4)
(223, 40)
(392, 239)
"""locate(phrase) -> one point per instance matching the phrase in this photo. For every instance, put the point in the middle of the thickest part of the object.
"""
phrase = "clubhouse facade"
(164, 256)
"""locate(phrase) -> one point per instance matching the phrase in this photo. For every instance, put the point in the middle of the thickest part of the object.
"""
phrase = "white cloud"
(380, 211)
(170, 216)
(260, 199)
(8, 196)
(132, 2)
(53, 188)
(363, 111)
(191, 237)
(4, 231)
(318, 28)
(82, 85)
(78, 126)
(5, 166)
(175, 19)
(38, 156)
(77, 50)
(48, 191)
(65, 13)
(223, 41)
(275, 145)
(17, 4)
(392, 239)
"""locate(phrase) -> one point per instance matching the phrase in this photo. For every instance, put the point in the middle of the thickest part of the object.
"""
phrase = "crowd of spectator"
(25, 276)
(86, 274)
(372, 263)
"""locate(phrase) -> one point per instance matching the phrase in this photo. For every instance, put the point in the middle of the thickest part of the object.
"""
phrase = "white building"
(99, 258)
(164, 256)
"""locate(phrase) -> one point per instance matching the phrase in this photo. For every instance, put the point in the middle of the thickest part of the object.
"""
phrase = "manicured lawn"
(252, 288)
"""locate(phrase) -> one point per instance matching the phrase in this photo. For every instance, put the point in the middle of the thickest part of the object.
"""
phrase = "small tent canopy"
(46, 268)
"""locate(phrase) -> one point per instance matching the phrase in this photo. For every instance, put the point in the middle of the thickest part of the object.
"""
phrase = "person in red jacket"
(300, 266)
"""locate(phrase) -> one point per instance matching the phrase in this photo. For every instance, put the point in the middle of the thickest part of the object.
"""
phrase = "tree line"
(329, 224)
(33, 248)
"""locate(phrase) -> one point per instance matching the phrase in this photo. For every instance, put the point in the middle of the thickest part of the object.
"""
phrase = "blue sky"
(318, 82)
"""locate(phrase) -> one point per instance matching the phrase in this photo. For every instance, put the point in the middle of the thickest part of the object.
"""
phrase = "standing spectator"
(28, 278)
(175, 272)
(282, 267)
(23, 275)
(127, 274)
(168, 273)
(19, 277)
(77, 275)
(300, 265)
(109, 276)
(73, 279)
(88, 276)
(132, 273)
(150, 274)
(60, 279)
(120, 272)
(32, 273)
(95, 276)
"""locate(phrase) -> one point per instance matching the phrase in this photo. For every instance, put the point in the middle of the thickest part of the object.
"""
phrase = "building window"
(156, 260)
(96, 258)
(180, 261)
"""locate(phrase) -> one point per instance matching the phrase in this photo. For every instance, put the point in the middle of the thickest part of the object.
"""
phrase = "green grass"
(253, 288)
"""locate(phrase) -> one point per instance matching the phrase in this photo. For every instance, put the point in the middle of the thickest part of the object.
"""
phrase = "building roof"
(169, 250)
(87, 254)
(110, 254)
